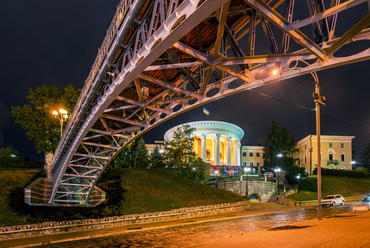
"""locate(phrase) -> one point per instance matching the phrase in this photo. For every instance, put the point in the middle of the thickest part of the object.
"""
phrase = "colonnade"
(224, 150)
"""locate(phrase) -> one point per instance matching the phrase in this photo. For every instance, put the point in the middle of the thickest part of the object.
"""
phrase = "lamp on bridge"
(63, 117)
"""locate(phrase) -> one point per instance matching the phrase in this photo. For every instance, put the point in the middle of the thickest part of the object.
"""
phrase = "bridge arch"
(162, 58)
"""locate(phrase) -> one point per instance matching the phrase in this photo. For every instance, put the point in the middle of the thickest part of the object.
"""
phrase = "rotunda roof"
(210, 127)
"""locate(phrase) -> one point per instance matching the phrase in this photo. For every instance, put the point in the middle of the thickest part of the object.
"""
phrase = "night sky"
(55, 43)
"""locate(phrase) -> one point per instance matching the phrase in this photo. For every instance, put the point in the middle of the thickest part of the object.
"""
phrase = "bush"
(341, 173)
(363, 170)
(292, 172)
(309, 184)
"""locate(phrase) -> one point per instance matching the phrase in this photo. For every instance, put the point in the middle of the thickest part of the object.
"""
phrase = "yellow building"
(252, 156)
(336, 152)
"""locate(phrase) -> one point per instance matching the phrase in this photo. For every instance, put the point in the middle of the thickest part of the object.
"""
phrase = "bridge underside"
(161, 58)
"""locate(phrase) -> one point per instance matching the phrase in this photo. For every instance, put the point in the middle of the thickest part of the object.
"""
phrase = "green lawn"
(10, 180)
(336, 185)
(129, 191)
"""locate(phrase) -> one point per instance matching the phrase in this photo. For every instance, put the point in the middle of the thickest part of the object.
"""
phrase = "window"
(251, 154)
(258, 164)
(330, 156)
(330, 145)
(251, 164)
(244, 154)
(305, 147)
(342, 157)
(244, 164)
(257, 154)
(341, 145)
(299, 162)
(305, 159)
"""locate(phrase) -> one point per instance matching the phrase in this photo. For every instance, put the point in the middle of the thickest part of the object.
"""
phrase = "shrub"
(309, 184)
(341, 173)
(363, 170)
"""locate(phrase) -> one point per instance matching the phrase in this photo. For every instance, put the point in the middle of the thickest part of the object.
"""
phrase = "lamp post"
(63, 117)
(298, 177)
(277, 170)
(247, 170)
(216, 172)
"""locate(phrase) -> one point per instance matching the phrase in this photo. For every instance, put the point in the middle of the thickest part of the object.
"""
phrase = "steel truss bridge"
(161, 58)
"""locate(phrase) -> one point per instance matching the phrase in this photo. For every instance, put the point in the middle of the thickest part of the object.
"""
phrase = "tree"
(157, 159)
(133, 156)
(10, 158)
(36, 118)
(141, 158)
(180, 157)
(125, 159)
(366, 157)
(279, 141)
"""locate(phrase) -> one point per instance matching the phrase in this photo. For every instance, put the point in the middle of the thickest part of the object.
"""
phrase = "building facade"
(252, 156)
(336, 152)
(218, 143)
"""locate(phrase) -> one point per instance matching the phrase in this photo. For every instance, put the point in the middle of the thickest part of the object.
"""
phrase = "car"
(332, 200)
(367, 198)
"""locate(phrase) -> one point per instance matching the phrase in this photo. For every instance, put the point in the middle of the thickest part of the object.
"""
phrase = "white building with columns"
(218, 142)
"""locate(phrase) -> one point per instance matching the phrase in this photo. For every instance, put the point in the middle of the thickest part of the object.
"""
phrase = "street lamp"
(298, 177)
(247, 170)
(277, 170)
(63, 117)
(216, 172)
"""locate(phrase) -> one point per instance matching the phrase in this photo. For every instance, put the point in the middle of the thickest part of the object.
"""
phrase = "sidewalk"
(349, 230)
(344, 230)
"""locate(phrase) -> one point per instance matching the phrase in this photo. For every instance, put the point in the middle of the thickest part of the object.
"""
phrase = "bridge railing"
(121, 12)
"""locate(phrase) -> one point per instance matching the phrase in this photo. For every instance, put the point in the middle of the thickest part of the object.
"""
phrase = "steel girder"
(164, 57)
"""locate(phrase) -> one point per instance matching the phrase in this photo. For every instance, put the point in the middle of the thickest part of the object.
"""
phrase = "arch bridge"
(160, 58)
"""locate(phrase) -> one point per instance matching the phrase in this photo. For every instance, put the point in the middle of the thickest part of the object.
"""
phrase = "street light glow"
(62, 111)
(62, 118)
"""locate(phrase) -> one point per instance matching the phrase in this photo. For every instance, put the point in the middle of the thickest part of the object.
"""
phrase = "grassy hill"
(130, 191)
(336, 185)
(133, 191)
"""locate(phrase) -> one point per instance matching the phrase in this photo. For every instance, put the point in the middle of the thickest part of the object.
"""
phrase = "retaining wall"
(47, 228)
